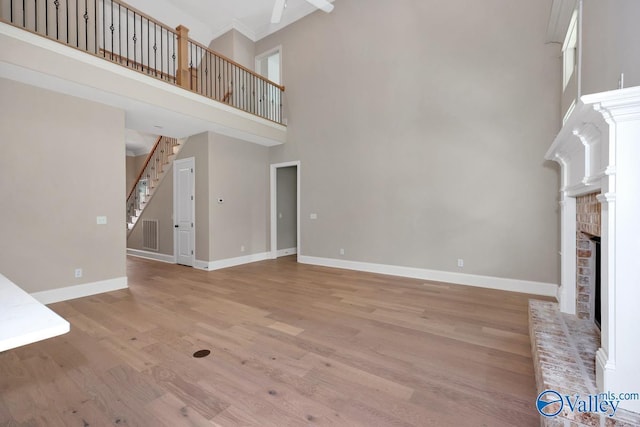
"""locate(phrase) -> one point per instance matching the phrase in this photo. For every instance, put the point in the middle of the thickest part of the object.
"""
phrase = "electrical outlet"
(313, 216)
(341, 251)
(78, 273)
(460, 262)
(242, 248)
(101, 220)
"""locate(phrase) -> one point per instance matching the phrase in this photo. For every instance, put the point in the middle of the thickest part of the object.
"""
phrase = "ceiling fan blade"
(322, 5)
(278, 8)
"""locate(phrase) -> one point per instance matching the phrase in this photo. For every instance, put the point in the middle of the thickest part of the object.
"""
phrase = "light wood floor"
(291, 345)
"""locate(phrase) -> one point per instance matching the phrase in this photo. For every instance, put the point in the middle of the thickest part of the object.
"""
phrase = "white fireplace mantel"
(598, 149)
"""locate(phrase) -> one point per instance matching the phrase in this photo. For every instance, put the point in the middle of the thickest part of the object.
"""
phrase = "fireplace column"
(598, 149)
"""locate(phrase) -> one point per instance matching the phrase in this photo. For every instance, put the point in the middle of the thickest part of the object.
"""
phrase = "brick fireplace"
(598, 151)
(587, 227)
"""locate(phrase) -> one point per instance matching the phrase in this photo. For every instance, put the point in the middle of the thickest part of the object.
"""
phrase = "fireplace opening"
(597, 309)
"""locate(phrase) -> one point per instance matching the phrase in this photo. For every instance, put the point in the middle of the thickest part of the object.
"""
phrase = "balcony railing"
(219, 78)
(122, 34)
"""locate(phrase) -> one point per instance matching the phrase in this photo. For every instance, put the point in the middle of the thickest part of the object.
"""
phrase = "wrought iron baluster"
(191, 70)
(207, 73)
(155, 50)
(119, 33)
(86, 25)
(135, 40)
(57, 5)
(35, 5)
(161, 52)
(112, 28)
(46, 17)
(77, 24)
(202, 83)
(173, 36)
(67, 17)
(126, 11)
(104, 30)
(24, 14)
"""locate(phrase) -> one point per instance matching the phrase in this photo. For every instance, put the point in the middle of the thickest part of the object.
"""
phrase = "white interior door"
(184, 210)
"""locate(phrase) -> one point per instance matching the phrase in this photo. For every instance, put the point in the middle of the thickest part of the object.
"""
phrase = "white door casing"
(274, 208)
(184, 211)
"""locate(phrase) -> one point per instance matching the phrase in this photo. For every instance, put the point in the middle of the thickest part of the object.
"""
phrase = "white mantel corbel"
(598, 149)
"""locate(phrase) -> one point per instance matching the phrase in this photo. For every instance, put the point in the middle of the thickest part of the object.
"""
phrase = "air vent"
(150, 234)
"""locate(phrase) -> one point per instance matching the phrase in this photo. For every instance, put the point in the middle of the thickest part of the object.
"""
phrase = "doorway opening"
(269, 65)
(285, 209)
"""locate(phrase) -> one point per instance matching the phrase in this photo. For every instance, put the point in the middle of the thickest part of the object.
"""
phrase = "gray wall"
(199, 147)
(159, 208)
(62, 164)
(161, 205)
(229, 168)
(286, 192)
(133, 166)
(611, 44)
(240, 175)
(421, 127)
(235, 45)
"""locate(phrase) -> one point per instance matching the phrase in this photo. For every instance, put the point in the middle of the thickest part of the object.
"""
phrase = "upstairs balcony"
(110, 52)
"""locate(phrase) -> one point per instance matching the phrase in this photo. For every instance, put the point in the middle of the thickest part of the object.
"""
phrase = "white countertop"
(24, 320)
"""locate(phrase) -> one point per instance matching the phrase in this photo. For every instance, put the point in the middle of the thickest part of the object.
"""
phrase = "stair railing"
(218, 77)
(149, 176)
(120, 33)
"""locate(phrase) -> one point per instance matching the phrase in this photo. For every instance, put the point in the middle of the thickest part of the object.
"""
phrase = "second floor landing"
(150, 104)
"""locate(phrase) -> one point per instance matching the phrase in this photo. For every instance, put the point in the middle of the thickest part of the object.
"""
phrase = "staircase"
(154, 170)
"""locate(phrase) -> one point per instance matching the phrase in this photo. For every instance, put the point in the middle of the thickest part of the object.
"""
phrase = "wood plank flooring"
(291, 345)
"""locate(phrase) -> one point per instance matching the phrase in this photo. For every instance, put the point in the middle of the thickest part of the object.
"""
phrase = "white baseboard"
(231, 262)
(285, 252)
(513, 285)
(79, 291)
(151, 255)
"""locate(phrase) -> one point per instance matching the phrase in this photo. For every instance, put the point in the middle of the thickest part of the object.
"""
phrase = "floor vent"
(150, 234)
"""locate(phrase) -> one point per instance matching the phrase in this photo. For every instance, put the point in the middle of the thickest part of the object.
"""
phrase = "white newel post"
(598, 149)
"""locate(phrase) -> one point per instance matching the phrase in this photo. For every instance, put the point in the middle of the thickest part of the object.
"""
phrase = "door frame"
(192, 161)
(274, 207)
(266, 54)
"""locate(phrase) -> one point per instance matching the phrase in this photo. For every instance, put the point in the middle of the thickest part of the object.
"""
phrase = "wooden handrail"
(138, 12)
(184, 74)
(232, 62)
(144, 167)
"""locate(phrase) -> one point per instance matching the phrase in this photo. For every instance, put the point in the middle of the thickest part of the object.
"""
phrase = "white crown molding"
(243, 29)
(499, 283)
(78, 291)
(170, 259)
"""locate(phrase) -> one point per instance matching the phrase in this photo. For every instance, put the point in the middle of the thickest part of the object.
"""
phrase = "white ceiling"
(208, 19)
